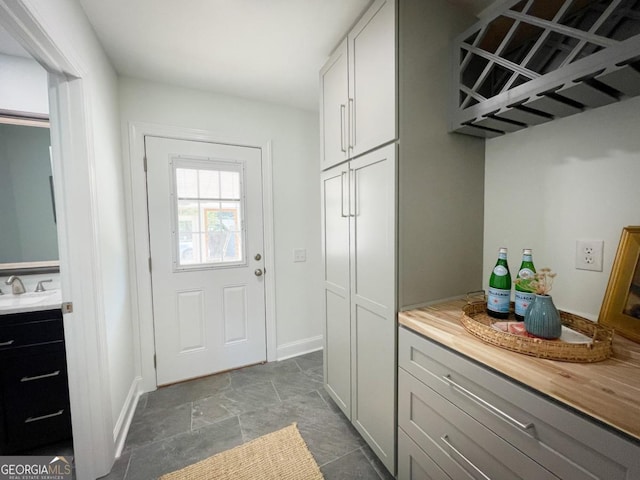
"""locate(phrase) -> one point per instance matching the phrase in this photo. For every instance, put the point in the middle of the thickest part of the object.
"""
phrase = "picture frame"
(621, 305)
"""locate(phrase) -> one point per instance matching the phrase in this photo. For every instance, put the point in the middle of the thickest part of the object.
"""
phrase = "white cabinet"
(397, 232)
(334, 98)
(359, 245)
(337, 296)
(358, 88)
(372, 78)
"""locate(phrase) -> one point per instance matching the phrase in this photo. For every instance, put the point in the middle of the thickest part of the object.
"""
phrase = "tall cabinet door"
(373, 299)
(372, 78)
(334, 91)
(335, 247)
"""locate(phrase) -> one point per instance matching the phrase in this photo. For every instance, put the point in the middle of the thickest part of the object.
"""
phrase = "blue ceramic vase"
(542, 318)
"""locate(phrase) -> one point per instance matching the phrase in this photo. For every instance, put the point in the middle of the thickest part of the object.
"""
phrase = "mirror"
(28, 235)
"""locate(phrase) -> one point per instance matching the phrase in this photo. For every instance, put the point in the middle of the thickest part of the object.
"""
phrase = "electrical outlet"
(589, 255)
(299, 255)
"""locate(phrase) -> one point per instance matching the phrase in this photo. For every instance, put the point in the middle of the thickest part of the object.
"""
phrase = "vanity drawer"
(26, 431)
(30, 332)
(460, 445)
(35, 400)
(35, 378)
(565, 443)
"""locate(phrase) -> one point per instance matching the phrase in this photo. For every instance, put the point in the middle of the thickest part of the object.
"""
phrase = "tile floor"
(179, 425)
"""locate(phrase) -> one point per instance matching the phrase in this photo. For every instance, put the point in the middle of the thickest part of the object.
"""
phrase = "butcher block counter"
(608, 391)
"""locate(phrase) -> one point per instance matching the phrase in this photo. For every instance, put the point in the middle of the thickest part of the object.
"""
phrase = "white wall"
(24, 85)
(573, 178)
(66, 24)
(296, 187)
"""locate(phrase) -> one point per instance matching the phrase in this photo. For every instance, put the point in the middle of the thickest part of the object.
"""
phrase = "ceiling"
(270, 50)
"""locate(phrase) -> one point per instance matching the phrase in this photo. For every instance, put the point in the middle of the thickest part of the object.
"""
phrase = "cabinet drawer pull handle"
(352, 124)
(7, 343)
(523, 426)
(38, 377)
(445, 440)
(44, 417)
(353, 197)
(342, 127)
(342, 175)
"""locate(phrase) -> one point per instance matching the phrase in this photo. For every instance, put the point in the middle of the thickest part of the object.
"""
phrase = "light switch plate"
(299, 254)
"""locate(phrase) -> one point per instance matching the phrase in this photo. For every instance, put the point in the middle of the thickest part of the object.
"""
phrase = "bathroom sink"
(10, 303)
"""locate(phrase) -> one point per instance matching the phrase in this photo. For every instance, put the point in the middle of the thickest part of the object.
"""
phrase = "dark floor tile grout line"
(324, 400)
(242, 431)
(126, 470)
(276, 390)
(186, 432)
(160, 440)
(373, 465)
(342, 456)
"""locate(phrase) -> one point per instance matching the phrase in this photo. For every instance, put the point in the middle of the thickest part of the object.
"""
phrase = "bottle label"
(526, 273)
(498, 300)
(500, 271)
(523, 300)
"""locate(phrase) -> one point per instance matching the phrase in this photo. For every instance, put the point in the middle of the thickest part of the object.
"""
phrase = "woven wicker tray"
(477, 322)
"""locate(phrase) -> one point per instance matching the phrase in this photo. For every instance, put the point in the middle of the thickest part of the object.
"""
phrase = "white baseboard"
(299, 347)
(121, 427)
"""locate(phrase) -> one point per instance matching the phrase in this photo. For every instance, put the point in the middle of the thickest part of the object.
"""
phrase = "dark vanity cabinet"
(34, 395)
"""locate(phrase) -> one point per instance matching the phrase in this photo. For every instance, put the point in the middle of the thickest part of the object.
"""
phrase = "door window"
(208, 212)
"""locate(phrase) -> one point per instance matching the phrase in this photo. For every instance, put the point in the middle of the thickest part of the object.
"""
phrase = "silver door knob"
(258, 272)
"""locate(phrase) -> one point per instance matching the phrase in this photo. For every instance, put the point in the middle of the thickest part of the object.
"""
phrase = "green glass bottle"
(499, 297)
(527, 271)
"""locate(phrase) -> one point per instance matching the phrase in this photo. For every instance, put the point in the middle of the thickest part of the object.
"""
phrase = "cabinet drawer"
(28, 431)
(35, 400)
(567, 444)
(34, 379)
(460, 445)
(31, 333)
(414, 464)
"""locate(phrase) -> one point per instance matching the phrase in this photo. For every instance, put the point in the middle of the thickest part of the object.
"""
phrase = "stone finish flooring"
(181, 424)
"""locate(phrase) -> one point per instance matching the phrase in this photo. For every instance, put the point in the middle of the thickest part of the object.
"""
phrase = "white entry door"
(206, 240)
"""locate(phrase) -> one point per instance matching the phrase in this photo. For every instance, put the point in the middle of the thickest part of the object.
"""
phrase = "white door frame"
(135, 184)
(72, 159)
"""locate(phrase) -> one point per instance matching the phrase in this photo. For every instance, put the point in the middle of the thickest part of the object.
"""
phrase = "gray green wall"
(441, 192)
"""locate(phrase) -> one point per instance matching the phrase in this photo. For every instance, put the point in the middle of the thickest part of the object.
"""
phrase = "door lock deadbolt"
(258, 257)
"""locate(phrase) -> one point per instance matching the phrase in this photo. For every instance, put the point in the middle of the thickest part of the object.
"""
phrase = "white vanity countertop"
(30, 302)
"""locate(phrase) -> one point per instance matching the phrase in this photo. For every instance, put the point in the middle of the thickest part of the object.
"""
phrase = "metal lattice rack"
(536, 60)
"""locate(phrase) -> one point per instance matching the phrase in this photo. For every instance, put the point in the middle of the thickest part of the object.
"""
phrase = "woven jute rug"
(281, 455)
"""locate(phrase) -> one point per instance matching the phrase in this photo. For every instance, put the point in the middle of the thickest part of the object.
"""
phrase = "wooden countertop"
(608, 391)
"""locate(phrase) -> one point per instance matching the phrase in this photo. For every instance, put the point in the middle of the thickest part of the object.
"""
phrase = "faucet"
(17, 287)
(40, 286)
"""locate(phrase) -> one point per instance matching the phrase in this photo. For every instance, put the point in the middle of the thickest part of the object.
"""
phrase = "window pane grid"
(210, 216)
